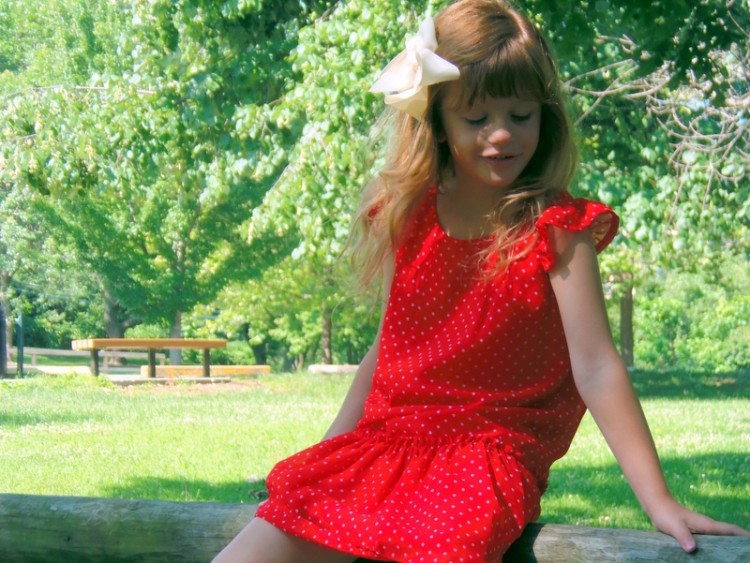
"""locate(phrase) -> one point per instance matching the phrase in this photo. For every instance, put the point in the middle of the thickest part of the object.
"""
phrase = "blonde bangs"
(509, 72)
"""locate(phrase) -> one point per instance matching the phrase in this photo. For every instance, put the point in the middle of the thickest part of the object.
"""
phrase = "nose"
(499, 132)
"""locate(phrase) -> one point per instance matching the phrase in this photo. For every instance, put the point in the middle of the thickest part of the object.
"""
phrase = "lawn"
(75, 435)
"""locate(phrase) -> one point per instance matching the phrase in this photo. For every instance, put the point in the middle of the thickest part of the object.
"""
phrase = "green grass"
(701, 426)
(75, 435)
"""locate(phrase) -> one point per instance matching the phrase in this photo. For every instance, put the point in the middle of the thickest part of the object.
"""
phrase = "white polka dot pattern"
(472, 400)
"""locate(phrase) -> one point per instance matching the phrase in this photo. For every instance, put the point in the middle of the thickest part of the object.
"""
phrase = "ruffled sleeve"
(574, 214)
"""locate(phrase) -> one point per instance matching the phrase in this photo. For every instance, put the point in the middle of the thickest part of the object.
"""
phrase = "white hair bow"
(407, 76)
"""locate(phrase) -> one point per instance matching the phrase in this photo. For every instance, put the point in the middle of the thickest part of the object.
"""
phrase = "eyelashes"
(516, 118)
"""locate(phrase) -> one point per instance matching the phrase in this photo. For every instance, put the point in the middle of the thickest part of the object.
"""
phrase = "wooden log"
(576, 544)
(75, 529)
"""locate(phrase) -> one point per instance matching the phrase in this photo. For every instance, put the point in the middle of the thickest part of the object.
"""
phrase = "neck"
(466, 213)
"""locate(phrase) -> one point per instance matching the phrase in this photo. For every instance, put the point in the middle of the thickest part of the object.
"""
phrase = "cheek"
(459, 141)
(531, 139)
(533, 143)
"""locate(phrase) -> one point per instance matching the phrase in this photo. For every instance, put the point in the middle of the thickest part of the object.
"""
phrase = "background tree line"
(190, 167)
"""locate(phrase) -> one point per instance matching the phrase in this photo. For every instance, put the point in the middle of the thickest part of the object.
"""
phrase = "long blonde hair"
(500, 53)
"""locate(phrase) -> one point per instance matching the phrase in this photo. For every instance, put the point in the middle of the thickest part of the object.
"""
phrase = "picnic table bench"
(93, 345)
(34, 353)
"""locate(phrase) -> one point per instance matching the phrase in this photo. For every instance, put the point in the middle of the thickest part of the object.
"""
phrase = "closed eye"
(478, 121)
(521, 118)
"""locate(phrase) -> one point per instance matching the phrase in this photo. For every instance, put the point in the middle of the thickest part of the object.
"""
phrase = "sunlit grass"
(77, 435)
(702, 432)
(73, 435)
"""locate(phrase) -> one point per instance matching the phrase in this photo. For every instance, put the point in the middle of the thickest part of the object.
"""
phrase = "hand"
(674, 519)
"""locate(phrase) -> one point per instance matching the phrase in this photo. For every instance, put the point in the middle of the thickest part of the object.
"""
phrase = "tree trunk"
(327, 334)
(260, 352)
(3, 344)
(175, 356)
(113, 326)
(626, 326)
(298, 362)
(88, 530)
(5, 304)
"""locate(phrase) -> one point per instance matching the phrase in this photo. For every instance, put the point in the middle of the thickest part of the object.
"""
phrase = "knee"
(231, 554)
(251, 545)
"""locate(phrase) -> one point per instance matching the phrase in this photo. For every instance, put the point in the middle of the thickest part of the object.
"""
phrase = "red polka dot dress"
(472, 400)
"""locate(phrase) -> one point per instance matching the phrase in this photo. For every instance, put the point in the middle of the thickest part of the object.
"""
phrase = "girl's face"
(491, 141)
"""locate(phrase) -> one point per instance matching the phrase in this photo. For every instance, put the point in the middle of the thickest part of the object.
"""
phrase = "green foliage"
(145, 330)
(280, 315)
(38, 281)
(53, 320)
(236, 353)
(143, 168)
(696, 320)
(176, 151)
(20, 240)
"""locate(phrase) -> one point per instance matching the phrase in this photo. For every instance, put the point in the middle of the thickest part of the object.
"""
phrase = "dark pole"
(19, 344)
(3, 344)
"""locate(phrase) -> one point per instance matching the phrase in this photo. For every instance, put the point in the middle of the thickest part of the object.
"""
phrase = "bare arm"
(353, 406)
(605, 387)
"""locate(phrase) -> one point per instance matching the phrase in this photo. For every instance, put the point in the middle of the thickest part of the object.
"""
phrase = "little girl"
(494, 338)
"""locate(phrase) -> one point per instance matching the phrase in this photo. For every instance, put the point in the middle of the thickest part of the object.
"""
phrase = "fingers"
(682, 529)
(705, 525)
(685, 539)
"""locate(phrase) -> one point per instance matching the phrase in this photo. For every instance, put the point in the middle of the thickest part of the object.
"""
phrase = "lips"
(501, 160)
(501, 157)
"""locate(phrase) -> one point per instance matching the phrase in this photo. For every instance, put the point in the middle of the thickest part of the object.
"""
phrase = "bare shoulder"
(571, 249)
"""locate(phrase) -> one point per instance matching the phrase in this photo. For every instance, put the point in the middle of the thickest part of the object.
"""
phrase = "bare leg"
(261, 542)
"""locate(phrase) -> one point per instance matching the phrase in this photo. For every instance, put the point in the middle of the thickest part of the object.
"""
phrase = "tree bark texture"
(327, 333)
(3, 344)
(175, 355)
(75, 529)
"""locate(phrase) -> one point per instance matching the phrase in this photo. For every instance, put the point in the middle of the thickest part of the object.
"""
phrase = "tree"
(36, 275)
(174, 131)
(18, 250)
(148, 168)
(661, 105)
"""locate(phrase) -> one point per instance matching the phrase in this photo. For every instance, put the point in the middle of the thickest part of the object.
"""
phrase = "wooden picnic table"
(150, 345)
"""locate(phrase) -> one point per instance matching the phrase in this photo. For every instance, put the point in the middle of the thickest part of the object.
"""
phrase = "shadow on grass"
(155, 488)
(691, 384)
(714, 484)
